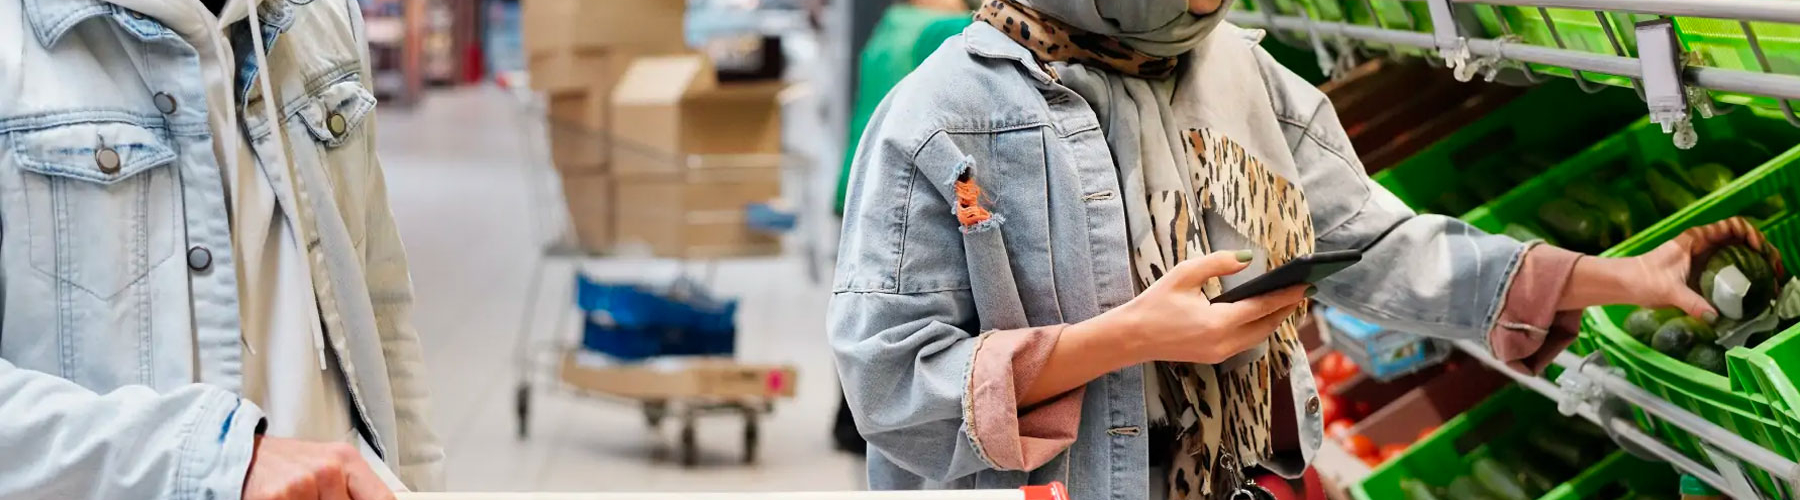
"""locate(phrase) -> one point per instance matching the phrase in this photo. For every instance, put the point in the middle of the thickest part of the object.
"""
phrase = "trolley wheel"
(750, 437)
(690, 450)
(654, 412)
(522, 405)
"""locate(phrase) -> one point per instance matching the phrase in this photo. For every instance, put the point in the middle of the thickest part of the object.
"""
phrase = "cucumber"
(1767, 208)
(1642, 323)
(1615, 210)
(1710, 177)
(1748, 303)
(1674, 338)
(1707, 356)
(1553, 443)
(1575, 226)
(1670, 196)
(1417, 490)
(1502, 482)
(1464, 488)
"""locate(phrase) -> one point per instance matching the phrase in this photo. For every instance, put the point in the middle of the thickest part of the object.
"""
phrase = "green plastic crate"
(1503, 418)
(1467, 156)
(1756, 400)
(1721, 44)
(1630, 152)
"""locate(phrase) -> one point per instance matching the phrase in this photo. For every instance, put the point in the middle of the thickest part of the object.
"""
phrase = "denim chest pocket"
(334, 114)
(101, 202)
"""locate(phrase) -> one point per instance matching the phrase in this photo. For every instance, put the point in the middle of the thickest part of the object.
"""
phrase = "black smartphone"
(1306, 269)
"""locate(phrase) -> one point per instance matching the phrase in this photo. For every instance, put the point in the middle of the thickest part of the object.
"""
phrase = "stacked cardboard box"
(692, 153)
(576, 51)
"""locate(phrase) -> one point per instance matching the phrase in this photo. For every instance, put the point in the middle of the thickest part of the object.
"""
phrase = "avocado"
(1707, 356)
(1642, 323)
(1675, 337)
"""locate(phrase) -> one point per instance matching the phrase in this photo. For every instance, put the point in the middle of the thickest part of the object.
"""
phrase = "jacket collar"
(985, 41)
(51, 19)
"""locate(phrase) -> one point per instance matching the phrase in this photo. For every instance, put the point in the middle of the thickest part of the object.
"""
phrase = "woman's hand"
(1660, 278)
(1173, 321)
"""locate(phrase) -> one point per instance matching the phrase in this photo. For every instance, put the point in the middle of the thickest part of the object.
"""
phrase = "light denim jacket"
(120, 352)
(914, 290)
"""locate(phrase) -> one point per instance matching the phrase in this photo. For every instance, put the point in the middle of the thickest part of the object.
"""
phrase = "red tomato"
(1426, 432)
(1371, 461)
(1335, 367)
(1339, 429)
(1388, 452)
(1362, 408)
(1330, 408)
(1362, 446)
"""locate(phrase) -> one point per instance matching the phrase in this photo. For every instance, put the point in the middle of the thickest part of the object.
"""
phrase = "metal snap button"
(107, 160)
(164, 103)
(199, 258)
(1312, 404)
(337, 124)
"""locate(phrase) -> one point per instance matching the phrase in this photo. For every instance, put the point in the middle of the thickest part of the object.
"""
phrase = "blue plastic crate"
(634, 307)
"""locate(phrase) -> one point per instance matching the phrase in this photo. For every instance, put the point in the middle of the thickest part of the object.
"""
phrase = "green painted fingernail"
(1245, 255)
(1710, 317)
(1311, 290)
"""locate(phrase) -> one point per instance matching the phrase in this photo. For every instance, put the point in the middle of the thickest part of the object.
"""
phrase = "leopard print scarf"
(1221, 413)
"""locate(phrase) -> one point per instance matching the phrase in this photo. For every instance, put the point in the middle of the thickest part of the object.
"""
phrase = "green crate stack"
(1533, 131)
(1757, 399)
(1507, 417)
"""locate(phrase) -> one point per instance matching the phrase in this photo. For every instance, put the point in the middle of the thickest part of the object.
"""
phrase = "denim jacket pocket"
(100, 202)
(336, 112)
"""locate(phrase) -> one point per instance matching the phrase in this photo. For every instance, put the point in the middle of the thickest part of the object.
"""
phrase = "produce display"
(1598, 212)
(1512, 447)
(1742, 284)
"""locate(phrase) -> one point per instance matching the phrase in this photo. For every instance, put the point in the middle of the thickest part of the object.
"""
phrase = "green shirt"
(901, 40)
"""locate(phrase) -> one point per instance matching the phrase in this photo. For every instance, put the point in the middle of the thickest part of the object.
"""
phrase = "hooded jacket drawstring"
(259, 53)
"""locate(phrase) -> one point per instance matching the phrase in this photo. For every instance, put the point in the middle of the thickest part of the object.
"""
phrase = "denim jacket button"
(107, 159)
(1312, 405)
(199, 258)
(165, 103)
(337, 124)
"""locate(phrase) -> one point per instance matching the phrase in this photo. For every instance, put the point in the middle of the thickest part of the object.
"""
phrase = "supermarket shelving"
(1591, 387)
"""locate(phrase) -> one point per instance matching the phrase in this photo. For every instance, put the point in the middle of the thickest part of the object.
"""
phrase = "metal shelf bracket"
(1660, 57)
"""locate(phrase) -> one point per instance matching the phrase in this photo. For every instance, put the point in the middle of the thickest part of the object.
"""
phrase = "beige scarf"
(1177, 165)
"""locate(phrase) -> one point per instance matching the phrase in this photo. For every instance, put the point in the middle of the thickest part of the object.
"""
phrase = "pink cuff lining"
(1529, 331)
(1014, 438)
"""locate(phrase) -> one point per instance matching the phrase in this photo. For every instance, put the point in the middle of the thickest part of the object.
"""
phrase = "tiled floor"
(466, 212)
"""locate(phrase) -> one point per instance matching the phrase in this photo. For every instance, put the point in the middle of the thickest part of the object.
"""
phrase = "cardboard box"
(558, 25)
(587, 70)
(719, 378)
(667, 108)
(579, 141)
(695, 216)
(591, 200)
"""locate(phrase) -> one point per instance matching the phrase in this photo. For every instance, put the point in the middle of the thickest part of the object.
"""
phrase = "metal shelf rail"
(1595, 385)
(1052, 491)
(1661, 74)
